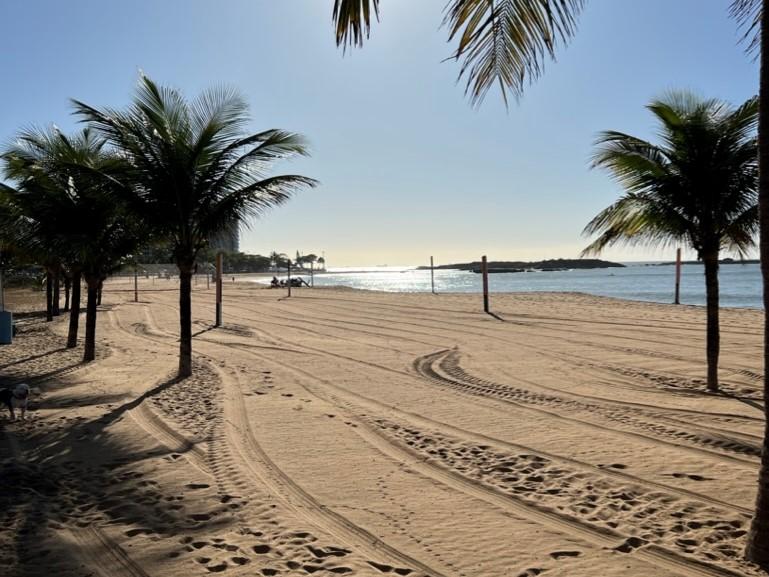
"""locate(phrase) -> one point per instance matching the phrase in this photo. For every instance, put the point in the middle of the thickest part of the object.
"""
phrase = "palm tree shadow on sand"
(74, 474)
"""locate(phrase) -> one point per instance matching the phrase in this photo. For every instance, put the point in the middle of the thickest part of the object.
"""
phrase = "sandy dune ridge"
(348, 432)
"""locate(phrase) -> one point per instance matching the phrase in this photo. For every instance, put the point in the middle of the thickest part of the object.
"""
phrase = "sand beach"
(366, 433)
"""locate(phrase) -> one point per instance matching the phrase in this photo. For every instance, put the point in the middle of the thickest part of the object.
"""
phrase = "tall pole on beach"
(136, 283)
(678, 277)
(288, 282)
(432, 275)
(219, 271)
(312, 274)
(485, 272)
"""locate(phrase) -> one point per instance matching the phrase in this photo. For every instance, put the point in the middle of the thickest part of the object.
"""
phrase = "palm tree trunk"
(67, 286)
(89, 353)
(185, 321)
(56, 310)
(74, 311)
(48, 296)
(713, 335)
(758, 537)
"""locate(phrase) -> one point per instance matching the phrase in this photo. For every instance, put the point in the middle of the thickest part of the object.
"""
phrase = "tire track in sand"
(247, 454)
(435, 368)
(598, 535)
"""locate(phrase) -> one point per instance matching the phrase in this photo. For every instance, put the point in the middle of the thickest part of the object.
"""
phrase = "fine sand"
(347, 432)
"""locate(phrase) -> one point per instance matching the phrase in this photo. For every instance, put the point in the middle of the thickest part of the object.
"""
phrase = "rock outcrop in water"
(522, 266)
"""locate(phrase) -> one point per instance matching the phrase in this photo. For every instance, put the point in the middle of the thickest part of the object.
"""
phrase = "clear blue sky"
(408, 168)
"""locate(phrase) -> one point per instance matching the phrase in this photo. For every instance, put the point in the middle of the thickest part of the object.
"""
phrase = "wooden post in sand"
(288, 282)
(485, 271)
(678, 277)
(136, 283)
(432, 275)
(219, 271)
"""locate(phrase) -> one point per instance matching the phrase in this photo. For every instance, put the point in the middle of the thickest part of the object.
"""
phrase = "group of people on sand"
(295, 282)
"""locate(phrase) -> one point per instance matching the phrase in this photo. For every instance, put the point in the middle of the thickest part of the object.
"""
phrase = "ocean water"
(740, 284)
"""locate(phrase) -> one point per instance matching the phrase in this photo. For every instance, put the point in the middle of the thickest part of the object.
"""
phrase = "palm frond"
(248, 201)
(740, 234)
(352, 21)
(506, 42)
(748, 14)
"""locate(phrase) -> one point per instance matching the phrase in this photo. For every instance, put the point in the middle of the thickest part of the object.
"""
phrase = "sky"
(408, 168)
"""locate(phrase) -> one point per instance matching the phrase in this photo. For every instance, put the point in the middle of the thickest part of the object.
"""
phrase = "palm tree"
(65, 208)
(193, 172)
(698, 187)
(278, 259)
(310, 258)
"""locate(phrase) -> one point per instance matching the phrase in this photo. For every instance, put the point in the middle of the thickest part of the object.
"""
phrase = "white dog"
(16, 397)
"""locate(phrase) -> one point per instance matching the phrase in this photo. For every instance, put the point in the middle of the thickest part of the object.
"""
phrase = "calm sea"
(740, 283)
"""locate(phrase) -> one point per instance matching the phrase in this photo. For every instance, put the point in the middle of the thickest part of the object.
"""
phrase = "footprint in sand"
(692, 477)
(630, 544)
(380, 566)
(322, 553)
(561, 554)
(619, 466)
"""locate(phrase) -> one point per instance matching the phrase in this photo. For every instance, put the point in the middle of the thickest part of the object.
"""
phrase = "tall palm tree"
(62, 207)
(698, 187)
(192, 172)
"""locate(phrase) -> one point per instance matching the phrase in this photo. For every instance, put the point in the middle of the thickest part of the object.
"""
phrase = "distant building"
(228, 240)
